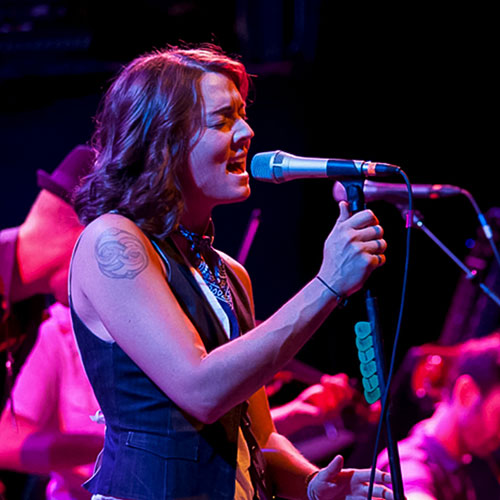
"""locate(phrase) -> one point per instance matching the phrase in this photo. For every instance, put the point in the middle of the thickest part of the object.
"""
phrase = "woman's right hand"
(353, 249)
(335, 483)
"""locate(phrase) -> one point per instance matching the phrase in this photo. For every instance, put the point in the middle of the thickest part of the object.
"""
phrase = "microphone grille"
(262, 166)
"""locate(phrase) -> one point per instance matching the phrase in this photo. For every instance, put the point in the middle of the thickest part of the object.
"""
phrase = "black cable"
(385, 396)
(484, 224)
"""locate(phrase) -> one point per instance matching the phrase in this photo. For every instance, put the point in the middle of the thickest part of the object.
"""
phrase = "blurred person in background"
(465, 424)
(45, 426)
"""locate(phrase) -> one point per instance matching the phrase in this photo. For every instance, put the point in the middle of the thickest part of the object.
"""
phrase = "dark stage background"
(414, 88)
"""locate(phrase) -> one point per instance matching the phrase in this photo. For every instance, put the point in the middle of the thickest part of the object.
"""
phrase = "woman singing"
(165, 323)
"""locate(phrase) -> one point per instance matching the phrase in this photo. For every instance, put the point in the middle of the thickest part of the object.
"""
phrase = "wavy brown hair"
(146, 125)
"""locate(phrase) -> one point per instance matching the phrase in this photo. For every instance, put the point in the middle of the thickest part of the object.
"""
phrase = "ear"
(466, 392)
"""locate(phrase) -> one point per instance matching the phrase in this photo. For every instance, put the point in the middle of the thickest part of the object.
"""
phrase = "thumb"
(334, 467)
(344, 211)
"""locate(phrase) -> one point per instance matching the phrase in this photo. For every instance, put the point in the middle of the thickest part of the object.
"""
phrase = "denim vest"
(153, 450)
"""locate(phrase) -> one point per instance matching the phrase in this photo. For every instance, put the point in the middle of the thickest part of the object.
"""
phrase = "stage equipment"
(277, 167)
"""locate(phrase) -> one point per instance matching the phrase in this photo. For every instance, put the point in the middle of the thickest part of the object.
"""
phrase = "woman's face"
(216, 172)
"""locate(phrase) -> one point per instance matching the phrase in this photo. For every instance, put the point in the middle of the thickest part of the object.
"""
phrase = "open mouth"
(237, 167)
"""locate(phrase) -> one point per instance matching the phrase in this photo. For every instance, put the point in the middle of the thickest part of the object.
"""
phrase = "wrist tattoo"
(120, 254)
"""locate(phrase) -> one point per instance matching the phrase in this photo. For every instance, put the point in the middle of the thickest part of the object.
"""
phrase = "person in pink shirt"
(46, 427)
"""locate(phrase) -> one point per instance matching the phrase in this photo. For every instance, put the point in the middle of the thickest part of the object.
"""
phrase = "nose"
(243, 132)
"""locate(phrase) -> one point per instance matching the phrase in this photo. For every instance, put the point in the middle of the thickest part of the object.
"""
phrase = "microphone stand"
(356, 200)
(470, 274)
(249, 235)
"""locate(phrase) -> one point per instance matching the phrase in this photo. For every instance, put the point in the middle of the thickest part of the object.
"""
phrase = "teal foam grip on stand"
(367, 366)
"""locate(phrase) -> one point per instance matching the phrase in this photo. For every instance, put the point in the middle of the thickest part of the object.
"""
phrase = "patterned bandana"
(213, 272)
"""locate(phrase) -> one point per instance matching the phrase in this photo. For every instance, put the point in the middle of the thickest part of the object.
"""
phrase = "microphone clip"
(354, 193)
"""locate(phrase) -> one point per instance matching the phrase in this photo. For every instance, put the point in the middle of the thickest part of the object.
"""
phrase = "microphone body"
(278, 167)
(398, 193)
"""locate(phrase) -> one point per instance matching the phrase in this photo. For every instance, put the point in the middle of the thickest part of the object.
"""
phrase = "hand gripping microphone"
(278, 167)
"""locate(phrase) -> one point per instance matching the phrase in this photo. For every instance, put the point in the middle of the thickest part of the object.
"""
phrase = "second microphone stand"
(356, 200)
(470, 274)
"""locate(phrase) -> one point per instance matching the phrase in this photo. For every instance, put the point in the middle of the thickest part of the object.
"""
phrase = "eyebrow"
(225, 109)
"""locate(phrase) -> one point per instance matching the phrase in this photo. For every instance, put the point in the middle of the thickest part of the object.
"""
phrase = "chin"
(235, 197)
(244, 195)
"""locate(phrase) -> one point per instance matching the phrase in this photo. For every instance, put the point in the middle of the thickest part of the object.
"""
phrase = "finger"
(380, 476)
(376, 246)
(383, 492)
(370, 233)
(344, 211)
(383, 477)
(365, 218)
(378, 260)
(374, 260)
(333, 468)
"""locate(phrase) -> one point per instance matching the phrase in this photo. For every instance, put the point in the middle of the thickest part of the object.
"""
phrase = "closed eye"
(218, 125)
(227, 115)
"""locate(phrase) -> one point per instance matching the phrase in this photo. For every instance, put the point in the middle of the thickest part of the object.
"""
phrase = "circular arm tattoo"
(120, 254)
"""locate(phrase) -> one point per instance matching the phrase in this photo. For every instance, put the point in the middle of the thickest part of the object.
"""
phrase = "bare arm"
(28, 448)
(289, 470)
(286, 467)
(120, 292)
(315, 405)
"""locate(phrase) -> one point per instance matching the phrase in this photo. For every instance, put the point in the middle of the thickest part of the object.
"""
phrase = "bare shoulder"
(115, 248)
(110, 224)
(113, 262)
(117, 245)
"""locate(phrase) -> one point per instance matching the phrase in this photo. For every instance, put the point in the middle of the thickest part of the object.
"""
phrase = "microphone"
(278, 166)
(398, 193)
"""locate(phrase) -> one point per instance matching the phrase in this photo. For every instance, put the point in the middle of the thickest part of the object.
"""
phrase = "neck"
(445, 430)
(195, 221)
